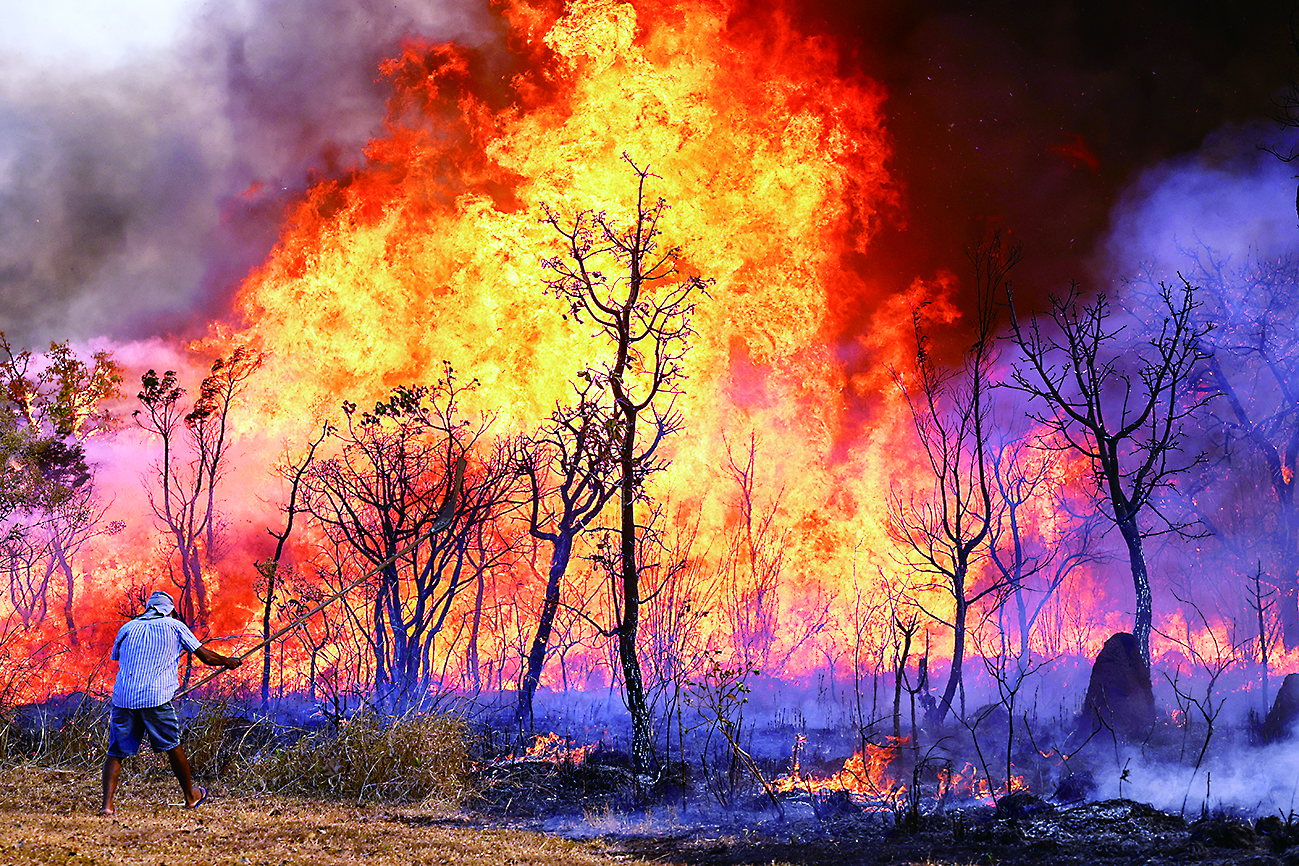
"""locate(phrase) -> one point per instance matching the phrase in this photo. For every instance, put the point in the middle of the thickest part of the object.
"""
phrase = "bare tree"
(1033, 556)
(1212, 654)
(571, 478)
(620, 278)
(944, 531)
(195, 447)
(672, 638)
(751, 568)
(1122, 405)
(1251, 365)
(1260, 604)
(381, 494)
(490, 552)
(268, 570)
(67, 529)
(868, 630)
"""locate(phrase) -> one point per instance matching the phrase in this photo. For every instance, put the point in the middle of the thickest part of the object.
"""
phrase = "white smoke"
(1255, 781)
(1232, 196)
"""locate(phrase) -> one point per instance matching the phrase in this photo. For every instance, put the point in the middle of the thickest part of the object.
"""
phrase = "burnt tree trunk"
(69, 589)
(958, 653)
(559, 558)
(642, 744)
(475, 629)
(1141, 622)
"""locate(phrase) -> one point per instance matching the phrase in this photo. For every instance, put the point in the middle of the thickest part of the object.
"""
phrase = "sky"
(148, 148)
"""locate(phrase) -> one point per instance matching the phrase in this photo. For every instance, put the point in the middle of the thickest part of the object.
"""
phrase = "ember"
(876, 777)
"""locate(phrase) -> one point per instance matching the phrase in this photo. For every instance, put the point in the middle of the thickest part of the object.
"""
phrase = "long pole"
(443, 519)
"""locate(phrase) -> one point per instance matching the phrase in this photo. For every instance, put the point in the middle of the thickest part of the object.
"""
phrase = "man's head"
(160, 602)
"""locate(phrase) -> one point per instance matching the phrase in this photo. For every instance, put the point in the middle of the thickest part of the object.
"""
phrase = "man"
(147, 650)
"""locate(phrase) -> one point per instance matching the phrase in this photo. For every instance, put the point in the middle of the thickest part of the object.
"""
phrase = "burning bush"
(416, 756)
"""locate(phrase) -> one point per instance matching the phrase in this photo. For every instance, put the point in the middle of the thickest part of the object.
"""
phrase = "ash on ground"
(1107, 832)
(597, 799)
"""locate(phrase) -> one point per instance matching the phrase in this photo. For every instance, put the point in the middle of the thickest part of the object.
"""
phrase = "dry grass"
(51, 816)
(410, 758)
(82, 734)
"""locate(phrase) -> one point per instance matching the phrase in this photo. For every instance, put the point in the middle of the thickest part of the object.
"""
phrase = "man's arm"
(214, 659)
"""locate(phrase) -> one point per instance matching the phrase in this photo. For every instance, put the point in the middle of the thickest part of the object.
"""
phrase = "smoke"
(138, 187)
(1256, 781)
(1231, 197)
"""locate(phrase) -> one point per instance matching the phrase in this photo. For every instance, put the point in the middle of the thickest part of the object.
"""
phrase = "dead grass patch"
(410, 758)
(51, 816)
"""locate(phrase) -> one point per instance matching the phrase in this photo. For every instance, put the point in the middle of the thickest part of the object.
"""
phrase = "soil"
(1023, 830)
(52, 816)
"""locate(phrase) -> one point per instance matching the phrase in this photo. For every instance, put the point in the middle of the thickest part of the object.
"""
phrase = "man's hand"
(216, 660)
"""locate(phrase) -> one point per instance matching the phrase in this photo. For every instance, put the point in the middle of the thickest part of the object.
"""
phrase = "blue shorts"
(126, 730)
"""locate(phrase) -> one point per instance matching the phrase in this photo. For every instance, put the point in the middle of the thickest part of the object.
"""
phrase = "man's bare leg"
(112, 770)
(180, 766)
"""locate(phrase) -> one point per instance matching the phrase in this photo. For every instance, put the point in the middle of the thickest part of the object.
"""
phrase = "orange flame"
(875, 776)
(772, 161)
(551, 749)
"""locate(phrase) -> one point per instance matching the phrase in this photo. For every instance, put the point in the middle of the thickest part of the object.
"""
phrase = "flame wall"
(775, 166)
(777, 162)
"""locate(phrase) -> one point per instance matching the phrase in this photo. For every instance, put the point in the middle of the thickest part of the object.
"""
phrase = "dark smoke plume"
(134, 198)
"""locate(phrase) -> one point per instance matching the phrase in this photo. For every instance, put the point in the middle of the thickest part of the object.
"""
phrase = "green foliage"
(413, 757)
(36, 472)
(50, 404)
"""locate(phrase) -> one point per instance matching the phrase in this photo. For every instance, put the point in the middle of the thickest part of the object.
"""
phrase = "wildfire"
(550, 749)
(867, 775)
(774, 165)
(878, 775)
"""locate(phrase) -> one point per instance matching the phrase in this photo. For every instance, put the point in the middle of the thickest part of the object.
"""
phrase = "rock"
(1119, 695)
(1021, 805)
(1224, 833)
(1075, 787)
(1280, 719)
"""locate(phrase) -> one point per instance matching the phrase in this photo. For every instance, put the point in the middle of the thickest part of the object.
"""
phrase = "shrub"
(220, 739)
(369, 757)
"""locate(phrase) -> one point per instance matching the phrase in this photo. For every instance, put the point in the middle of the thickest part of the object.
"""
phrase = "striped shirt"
(147, 650)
